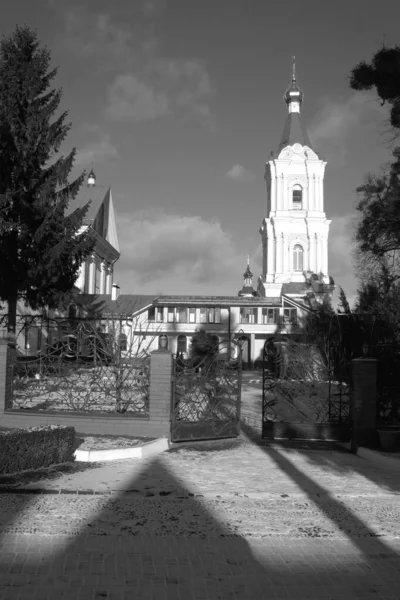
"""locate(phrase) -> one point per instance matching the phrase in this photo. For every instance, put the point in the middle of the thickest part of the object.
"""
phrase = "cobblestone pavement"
(230, 520)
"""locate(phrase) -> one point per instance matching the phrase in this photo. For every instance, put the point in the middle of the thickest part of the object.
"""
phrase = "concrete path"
(237, 520)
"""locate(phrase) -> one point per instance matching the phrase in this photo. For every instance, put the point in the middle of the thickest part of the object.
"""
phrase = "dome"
(293, 92)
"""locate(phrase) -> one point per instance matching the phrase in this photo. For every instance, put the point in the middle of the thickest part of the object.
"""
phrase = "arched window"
(123, 342)
(297, 258)
(182, 344)
(297, 197)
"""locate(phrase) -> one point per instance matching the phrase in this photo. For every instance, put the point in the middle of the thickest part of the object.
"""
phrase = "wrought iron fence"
(388, 383)
(78, 365)
(302, 383)
(206, 396)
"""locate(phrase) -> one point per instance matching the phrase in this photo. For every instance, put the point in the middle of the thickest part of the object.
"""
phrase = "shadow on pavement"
(146, 544)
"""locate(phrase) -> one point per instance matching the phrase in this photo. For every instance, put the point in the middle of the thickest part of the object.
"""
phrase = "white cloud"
(335, 122)
(145, 85)
(176, 254)
(97, 151)
(161, 87)
(240, 173)
(130, 99)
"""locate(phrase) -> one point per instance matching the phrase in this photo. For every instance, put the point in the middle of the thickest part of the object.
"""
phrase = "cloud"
(130, 99)
(240, 173)
(88, 34)
(153, 8)
(334, 124)
(176, 254)
(97, 151)
(159, 88)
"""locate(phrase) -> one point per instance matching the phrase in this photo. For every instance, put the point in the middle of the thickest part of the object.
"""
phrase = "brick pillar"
(363, 402)
(7, 355)
(161, 387)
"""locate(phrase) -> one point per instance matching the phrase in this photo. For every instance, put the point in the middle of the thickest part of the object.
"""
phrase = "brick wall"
(363, 400)
(157, 425)
(160, 386)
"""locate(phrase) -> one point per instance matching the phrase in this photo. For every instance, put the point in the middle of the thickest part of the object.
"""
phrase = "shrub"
(36, 447)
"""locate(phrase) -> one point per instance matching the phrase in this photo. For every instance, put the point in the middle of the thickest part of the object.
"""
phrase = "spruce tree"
(41, 249)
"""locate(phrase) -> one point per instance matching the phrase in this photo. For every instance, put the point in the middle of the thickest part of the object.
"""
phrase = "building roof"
(300, 287)
(294, 132)
(96, 194)
(217, 301)
(125, 304)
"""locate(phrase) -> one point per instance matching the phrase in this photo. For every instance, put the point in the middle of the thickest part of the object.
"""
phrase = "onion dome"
(293, 94)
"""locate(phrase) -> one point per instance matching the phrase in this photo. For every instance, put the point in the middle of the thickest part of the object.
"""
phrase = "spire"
(293, 95)
(294, 130)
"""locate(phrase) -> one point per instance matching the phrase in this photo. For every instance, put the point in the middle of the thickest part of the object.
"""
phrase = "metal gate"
(206, 396)
(306, 388)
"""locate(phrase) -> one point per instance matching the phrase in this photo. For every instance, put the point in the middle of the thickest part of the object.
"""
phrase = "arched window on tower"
(297, 197)
(298, 258)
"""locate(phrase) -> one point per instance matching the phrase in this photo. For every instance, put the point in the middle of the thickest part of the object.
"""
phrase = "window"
(290, 316)
(248, 315)
(192, 315)
(182, 344)
(181, 315)
(123, 342)
(159, 314)
(270, 315)
(33, 338)
(171, 313)
(210, 315)
(297, 258)
(297, 197)
(151, 314)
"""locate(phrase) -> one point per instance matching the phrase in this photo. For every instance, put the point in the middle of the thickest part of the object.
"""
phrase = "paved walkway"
(232, 520)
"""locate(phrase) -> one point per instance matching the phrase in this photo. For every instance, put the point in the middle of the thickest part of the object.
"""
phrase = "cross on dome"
(293, 95)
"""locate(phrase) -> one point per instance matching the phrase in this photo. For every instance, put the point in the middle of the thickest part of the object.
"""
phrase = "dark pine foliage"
(203, 344)
(40, 248)
(383, 74)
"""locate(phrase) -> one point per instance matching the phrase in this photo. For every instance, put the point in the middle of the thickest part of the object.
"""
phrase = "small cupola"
(248, 275)
(247, 289)
(91, 180)
(293, 95)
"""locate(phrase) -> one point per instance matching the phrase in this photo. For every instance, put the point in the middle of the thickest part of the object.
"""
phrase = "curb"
(149, 449)
(374, 456)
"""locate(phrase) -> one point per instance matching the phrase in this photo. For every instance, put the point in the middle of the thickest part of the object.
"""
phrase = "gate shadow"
(166, 543)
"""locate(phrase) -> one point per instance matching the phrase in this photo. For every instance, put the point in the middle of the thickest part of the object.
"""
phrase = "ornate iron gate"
(206, 396)
(306, 390)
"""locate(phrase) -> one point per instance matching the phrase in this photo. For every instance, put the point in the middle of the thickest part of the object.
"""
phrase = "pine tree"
(344, 306)
(41, 249)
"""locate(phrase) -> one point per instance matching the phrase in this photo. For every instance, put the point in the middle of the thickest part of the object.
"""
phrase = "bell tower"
(295, 233)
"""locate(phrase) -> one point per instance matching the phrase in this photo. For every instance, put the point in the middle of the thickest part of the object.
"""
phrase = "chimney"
(115, 290)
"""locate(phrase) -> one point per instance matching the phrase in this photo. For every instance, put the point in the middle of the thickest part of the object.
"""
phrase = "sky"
(176, 104)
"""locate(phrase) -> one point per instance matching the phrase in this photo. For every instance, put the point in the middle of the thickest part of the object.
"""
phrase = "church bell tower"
(295, 232)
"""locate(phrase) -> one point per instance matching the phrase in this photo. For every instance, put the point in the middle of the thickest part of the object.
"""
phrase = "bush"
(36, 447)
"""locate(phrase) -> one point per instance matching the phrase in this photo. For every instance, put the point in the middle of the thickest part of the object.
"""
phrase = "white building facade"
(295, 233)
